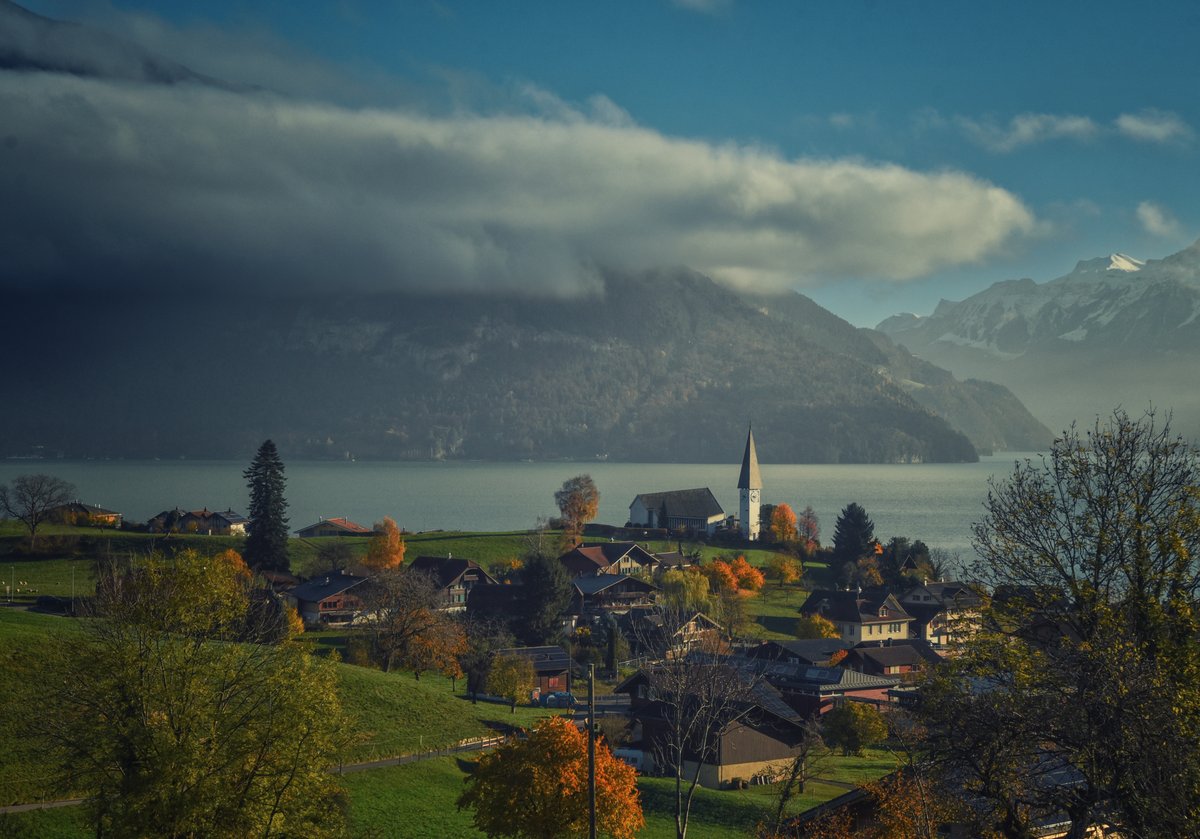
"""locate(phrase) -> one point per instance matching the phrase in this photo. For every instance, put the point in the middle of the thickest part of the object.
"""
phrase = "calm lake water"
(933, 502)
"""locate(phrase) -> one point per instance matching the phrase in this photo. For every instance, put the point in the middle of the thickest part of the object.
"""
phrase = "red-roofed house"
(333, 527)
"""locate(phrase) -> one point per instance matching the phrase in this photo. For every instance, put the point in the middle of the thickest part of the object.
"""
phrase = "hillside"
(661, 367)
(1115, 331)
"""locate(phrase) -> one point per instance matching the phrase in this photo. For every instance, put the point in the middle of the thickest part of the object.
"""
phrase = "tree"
(511, 677)
(1086, 663)
(267, 541)
(816, 626)
(177, 732)
(578, 503)
(31, 499)
(783, 525)
(748, 577)
(386, 548)
(546, 594)
(852, 726)
(804, 765)
(334, 556)
(484, 635)
(684, 590)
(538, 788)
(695, 696)
(809, 528)
(783, 568)
(853, 535)
(403, 609)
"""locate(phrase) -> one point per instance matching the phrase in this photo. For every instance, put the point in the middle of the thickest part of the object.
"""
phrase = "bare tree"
(31, 499)
(811, 752)
(401, 607)
(693, 693)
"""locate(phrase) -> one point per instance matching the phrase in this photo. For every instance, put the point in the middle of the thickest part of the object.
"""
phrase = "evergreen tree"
(853, 535)
(267, 542)
(547, 594)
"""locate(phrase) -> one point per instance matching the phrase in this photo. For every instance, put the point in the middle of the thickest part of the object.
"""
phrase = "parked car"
(559, 699)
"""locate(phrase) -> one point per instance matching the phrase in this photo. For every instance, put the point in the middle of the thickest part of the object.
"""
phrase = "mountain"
(662, 367)
(1114, 331)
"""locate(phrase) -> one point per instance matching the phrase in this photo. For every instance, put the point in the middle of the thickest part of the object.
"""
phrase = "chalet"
(609, 593)
(166, 522)
(816, 690)
(806, 651)
(891, 658)
(609, 558)
(333, 527)
(85, 515)
(551, 666)
(206, 521)
(673, 561)
(694, 510)
(328, 600)
(455, 578)
(872, 615)
(755, 741)
(942, 611)
(655, 631)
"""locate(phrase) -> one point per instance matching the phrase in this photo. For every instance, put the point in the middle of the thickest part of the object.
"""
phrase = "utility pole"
(591, 726)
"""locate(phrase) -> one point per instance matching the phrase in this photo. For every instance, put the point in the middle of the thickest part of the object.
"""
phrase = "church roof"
(750, 478)
(683, 503)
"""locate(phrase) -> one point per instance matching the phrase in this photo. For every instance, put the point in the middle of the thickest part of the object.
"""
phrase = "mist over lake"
(933, 502)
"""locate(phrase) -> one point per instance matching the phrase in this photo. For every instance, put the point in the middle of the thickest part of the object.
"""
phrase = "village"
(715, 653)
(636, 610)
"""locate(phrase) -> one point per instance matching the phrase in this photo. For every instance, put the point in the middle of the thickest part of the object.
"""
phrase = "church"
(697, 509)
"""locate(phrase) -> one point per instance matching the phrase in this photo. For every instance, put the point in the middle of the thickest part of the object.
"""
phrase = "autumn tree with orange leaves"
(537, 788)
(783, 525)
(386, 548)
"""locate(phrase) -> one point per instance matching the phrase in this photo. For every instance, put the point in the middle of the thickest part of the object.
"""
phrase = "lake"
(933, 502)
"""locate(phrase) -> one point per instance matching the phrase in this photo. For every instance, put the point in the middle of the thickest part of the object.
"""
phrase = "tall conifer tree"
(267, 543)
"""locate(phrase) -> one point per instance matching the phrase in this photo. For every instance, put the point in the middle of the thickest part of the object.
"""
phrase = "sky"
(876, 156)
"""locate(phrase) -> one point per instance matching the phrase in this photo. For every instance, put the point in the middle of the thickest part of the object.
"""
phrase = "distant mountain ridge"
(667, 366)
(1116, 330)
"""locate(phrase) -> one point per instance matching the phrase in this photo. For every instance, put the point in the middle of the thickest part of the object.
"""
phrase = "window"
(893, 627)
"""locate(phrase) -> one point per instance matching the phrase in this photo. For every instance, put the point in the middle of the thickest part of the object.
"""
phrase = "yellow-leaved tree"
(537, 788)
(386, 548)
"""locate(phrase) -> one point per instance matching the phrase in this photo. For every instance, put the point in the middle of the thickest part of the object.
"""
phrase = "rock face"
(661, 367)
(1115, 331)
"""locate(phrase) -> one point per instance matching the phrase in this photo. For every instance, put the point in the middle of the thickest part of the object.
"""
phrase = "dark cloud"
(118, 179)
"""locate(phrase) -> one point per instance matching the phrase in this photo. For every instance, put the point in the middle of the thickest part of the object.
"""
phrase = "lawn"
(418, 800)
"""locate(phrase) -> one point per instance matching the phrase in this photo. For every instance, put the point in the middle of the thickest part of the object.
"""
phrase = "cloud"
(1152, 126)
(1028, 129)
(1157, 221)
(119, 183)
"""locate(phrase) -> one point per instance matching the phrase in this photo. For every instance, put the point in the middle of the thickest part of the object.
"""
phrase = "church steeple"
(750, 479)
(749, 490)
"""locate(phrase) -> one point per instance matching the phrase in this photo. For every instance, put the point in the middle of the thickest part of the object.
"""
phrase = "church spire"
(750, 478)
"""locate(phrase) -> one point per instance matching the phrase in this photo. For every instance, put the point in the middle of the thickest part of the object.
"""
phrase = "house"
(891, 658)
(455, 578)
(693, 510)
(756, 740)
(816, 690)
(943, 612)
(806, 651)
(166, 522)
(85, 515)
(608, 558)
(328, 600)
(551, 666)
(333, 527)
(205, 521)
(609, 593)
(655, 631)
(864, 615)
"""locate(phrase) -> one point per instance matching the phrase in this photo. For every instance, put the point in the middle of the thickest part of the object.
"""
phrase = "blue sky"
(877, 156)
